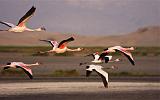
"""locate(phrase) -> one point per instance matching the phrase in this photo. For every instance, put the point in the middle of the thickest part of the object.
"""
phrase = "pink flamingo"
(61, 47)
(21, 26)
(121, 49)
(24, 67)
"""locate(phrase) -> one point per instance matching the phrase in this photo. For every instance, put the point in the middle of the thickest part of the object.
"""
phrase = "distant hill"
(147, 36)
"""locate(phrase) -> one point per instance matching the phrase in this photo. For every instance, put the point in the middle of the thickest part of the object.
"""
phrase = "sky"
(86, 17)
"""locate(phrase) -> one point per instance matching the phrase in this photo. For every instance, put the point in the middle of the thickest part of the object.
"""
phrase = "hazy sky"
(106, 17)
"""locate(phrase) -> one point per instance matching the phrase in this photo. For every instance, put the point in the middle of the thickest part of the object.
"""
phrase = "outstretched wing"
(27, 70)
(53, 43)
(26, 17)
(7, 24)
(63, 43)
(104, 76)
(127, 54)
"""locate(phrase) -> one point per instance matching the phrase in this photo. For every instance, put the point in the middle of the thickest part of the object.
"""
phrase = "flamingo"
(61, 47)
(98, 69)
(121, 49)
(106, 59)
(21, 26)
(96, 60)
(24, 67)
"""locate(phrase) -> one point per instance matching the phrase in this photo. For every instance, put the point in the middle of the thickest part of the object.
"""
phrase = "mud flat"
(80, 91)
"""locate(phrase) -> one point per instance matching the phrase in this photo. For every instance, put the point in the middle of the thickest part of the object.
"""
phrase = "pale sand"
(30, 88)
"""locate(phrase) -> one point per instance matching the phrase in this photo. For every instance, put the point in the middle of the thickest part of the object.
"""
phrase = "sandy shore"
(65, 87)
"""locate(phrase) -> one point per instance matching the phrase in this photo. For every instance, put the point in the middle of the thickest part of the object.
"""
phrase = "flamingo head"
(37, 63)
(43, 28)
(132, 48)
(87, 67)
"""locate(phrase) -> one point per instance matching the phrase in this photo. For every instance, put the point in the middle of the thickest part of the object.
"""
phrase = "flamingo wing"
(127, 54)
(7, 24)
(51, 42)
(102, 55)
(26, 17)
(104, 76)
(63, 43)
(27, 70)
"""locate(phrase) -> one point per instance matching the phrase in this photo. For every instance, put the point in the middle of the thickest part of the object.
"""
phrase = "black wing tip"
(71, 39)
(133, 63)
(33, 7)
(106, 85)
(31, 77)
(105, 82)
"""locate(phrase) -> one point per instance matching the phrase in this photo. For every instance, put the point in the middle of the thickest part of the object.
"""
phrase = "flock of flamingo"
(61, 47)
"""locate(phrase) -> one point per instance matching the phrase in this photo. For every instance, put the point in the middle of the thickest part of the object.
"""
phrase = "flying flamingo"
(21, 26)
(121, 49)
(96, 60)
(61, 47)
(24, 67)
(106, 59)
(98, 69)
